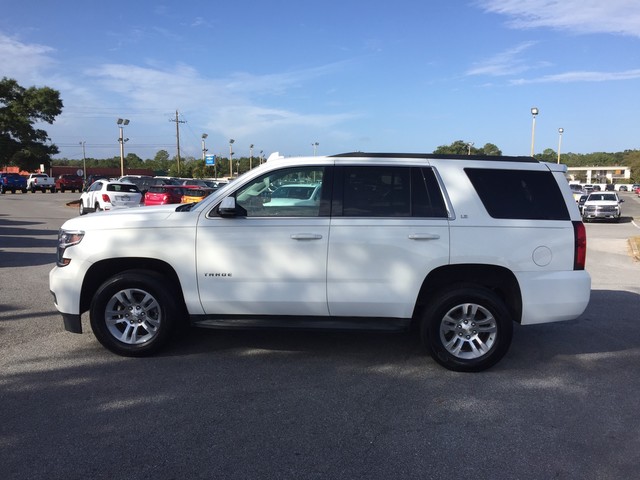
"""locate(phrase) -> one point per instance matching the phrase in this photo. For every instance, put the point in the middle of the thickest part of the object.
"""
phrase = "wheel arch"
(99, 272)
(498, 279)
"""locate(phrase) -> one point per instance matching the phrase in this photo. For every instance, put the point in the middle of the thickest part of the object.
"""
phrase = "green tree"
(460, 147)
(22, 144)
(160, 163)
(491, 149)
(632, 159)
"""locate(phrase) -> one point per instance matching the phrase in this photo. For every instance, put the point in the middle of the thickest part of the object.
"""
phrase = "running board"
(301, 323)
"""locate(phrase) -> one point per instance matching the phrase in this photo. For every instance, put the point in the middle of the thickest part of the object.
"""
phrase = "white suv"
(458, 246)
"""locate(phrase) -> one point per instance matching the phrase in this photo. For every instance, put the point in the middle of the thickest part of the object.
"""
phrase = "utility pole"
(178, 122)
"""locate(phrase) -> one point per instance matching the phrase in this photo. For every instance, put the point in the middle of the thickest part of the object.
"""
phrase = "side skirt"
(300, 323)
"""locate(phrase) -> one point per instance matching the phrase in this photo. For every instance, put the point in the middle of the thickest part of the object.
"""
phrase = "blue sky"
(401, 76)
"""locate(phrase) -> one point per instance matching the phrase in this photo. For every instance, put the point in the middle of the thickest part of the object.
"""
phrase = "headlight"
(66, 239)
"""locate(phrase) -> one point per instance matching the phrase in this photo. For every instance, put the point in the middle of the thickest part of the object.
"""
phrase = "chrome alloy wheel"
(133, 316)
(468, 331)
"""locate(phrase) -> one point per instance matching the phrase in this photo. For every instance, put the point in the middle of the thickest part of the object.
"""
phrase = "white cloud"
(508, 62)
(579, 16)
(23, 61)
(236, 105)
(223, 105)
(571, 77)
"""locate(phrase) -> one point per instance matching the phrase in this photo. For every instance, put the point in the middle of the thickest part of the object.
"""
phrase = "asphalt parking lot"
(562, 404)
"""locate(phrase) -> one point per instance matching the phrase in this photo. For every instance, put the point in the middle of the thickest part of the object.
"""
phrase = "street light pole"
(121, 123)
(534, 113)
(315, 146)
(204, 149)
(560, 132)
(250, 156)
(84, 162)
(231, 157)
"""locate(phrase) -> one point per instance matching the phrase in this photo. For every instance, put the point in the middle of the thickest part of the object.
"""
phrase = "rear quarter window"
(519, 194)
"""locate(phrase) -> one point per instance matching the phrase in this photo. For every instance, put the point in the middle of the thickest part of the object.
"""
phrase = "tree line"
(163, 164)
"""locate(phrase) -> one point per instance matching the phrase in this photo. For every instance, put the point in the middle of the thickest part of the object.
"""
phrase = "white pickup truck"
(40, 181)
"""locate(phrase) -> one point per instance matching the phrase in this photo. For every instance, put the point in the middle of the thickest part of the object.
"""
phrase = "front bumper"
(600, 212)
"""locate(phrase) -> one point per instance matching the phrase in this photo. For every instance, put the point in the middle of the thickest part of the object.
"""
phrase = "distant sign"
(210, 160)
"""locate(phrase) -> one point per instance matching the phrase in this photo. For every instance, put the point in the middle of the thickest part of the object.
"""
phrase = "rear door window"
(388, 191)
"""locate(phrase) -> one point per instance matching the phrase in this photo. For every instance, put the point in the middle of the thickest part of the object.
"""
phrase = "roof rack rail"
(492, 158)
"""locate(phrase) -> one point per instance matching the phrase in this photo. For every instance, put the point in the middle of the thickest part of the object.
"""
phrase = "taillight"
(580, 248)
(105, 198)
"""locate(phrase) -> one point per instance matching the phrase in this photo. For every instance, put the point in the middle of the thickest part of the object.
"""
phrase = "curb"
(633, 245)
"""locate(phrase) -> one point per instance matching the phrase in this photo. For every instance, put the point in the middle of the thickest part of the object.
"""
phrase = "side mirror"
(227, 207)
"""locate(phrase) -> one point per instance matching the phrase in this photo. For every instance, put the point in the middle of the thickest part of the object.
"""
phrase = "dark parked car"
(581, 200)
(92, 178)
(144, 182)
(69, 182)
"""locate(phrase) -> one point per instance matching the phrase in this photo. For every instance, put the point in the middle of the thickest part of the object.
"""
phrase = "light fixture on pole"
(204, 148)
(469, 145)
(250, 156)
(231, 157)
(121, 123)
(534, 114)
(315, 146)
(560, 132)
(84, 162)
(261, 151)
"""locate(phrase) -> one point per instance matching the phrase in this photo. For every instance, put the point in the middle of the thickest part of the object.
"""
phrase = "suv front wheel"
(133, 313)
(467, 329)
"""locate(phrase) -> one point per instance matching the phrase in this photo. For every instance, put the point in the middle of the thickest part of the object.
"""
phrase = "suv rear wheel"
(133, 313)
(467, 329)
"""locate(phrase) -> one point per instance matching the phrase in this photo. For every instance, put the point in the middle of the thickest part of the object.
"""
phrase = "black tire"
(133, 313)
(53, 189)
(24, 190)
(81, 209)
(33, 190)
(2, 189)
(467, 329)
(62, 190)
(97, 207)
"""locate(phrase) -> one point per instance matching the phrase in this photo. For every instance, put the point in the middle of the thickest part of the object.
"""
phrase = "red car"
(164, 194)
(69, 182)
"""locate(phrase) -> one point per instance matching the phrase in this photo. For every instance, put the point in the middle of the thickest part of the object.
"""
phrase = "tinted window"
(122, 187)
(519, 194)
(391, 192)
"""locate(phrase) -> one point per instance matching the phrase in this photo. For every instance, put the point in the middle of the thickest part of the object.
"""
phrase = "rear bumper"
(554, 296)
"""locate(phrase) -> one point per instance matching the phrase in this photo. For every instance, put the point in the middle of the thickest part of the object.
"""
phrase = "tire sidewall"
(149, 282)
(443, 303)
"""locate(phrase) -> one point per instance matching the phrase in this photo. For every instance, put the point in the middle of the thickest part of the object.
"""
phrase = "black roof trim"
(487, 158)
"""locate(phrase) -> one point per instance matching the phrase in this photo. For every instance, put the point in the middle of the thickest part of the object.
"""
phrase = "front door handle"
(424, 236)
(306, 236)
